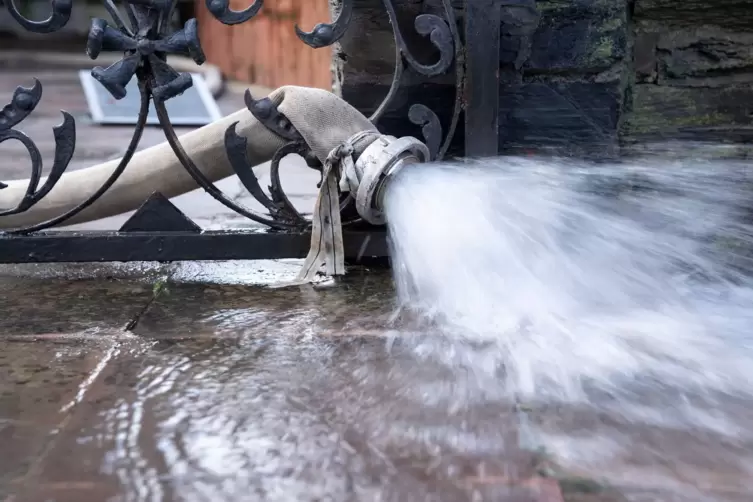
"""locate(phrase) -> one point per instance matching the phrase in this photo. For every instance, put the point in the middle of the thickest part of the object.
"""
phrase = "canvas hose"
(335, 131)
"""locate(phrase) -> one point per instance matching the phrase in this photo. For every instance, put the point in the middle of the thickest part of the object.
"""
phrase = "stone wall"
(596, 73)
(574, 83)
(693, 70)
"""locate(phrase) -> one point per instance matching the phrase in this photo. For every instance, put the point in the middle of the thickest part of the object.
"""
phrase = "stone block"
(705, 57)
(519, 22)
(685, 113)
(645, 60)
(45, 306)
(726, 13)
(560, 114)
(581, 36)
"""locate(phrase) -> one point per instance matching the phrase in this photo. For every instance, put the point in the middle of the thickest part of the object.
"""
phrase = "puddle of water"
(298, 418)
(612, 300)
(262, 272)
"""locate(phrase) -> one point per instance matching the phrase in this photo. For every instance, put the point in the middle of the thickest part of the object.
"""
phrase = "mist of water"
(615, 299)
(561, 281)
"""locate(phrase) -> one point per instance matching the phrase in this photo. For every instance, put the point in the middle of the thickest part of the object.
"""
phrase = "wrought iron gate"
(158, 231)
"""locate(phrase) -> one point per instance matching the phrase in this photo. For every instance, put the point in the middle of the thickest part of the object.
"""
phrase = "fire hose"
(356, 159)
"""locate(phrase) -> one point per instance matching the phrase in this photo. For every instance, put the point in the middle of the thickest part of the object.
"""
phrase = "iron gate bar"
(145, 37)
(482, 36)
(484, 21)
(72, 247)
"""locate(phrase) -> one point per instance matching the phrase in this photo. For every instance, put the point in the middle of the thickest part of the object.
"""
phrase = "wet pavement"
(152, 382)
(138, 386)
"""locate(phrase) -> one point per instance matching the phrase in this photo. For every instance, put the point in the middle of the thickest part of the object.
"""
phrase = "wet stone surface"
(199, 382)
(42, 308)
(238, 392)
(39, 383)
(652, 459)
(264, 419)
(359, 304)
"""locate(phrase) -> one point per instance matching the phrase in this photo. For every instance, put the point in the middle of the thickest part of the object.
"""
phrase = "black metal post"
(482, 39)
(72, 247)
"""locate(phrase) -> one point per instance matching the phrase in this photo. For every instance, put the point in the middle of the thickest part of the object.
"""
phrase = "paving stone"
(40, 306)
(40, 385)
(360, 303)
(612, 454)
(282, 416)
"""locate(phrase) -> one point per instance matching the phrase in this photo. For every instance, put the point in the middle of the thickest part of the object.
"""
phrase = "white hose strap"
(327, 248)
(350, 177)
(326, 227)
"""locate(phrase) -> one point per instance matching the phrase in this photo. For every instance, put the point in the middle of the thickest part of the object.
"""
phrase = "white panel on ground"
(195, 107)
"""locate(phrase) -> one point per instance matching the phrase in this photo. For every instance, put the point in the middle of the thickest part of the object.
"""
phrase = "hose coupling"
(373, 169)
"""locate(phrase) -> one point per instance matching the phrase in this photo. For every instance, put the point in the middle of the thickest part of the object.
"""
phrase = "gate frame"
(158, 231)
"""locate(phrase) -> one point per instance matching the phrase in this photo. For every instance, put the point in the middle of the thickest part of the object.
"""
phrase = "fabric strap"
(327, 249)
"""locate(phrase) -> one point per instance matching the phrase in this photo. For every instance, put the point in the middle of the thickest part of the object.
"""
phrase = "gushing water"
(619, 287)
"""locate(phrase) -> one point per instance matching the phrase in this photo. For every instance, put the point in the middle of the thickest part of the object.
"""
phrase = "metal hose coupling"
(371, 172)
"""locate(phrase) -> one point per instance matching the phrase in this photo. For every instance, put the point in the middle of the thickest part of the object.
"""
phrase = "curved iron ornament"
(59, 17)
(221, 11)
(22, 104)
(326, 34)
(146, 38)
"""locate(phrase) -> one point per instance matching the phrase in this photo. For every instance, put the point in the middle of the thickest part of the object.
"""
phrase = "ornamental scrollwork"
(146, 37)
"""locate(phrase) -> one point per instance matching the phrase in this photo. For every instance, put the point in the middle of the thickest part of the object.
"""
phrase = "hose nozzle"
(373, 169)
